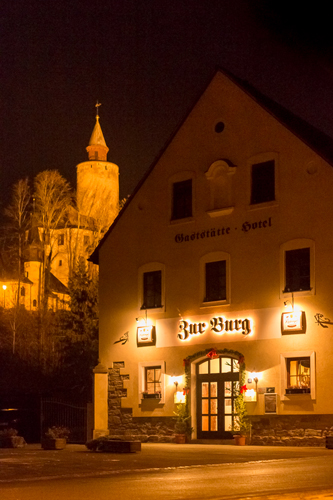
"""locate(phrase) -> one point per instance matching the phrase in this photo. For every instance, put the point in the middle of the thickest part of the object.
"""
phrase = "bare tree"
(53, 197)
(17, 214)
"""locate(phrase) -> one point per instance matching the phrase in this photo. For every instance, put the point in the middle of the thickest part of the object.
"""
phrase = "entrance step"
(213, 441)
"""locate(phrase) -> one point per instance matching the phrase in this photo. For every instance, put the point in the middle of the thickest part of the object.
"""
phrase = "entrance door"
(217, 385)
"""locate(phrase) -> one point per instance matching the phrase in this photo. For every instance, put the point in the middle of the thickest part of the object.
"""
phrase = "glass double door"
(217, 385)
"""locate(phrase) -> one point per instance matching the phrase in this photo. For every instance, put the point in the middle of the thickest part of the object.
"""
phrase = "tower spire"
(97, 148)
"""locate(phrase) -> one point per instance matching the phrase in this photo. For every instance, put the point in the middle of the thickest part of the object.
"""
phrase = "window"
(214, 279)
(298, 374)
(152, 290)
(153, 376)
(152, 380)
(34, 303)
(61, 239)
(263, 182)
(297, 268)
(216, 282)
(60, 263)
(22, 291)
(86, 240)
(182, 199)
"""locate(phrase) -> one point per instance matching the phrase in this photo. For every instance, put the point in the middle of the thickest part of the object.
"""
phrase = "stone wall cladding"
(122, 424)
(291, 430)
(269, 430)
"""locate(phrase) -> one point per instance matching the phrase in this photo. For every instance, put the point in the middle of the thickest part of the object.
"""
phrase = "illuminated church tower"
(98, 181)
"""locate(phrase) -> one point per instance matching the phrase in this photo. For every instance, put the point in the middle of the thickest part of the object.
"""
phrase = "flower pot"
(12, 442)
(180, 438)
(240, 440)
(53, 443)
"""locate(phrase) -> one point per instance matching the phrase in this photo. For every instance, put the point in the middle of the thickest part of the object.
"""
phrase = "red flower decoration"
(186, 362)
(212, 354)
(243, 389)
(241, 360)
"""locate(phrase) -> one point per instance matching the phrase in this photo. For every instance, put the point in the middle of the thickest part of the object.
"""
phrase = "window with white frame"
(214, 278)
(263, 182)
(61, 239)
(151, 287)
(216, 281)
(297, 267)
(263, 179)
(182, 199)
(298, 374)
(152, 380)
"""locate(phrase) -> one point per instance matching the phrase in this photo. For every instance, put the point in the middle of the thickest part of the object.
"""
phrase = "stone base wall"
(122, 424)
(269, 430)
(291, 430)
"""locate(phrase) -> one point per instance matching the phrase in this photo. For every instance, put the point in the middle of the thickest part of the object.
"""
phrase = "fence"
(57, 412)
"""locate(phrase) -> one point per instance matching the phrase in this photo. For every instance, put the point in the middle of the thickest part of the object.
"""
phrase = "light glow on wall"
(176, 380)
(179, 397)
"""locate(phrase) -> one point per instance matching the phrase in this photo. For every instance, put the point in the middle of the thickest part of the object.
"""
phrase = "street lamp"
(4, 295)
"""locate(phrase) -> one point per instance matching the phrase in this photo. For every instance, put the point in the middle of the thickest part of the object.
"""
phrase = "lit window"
(298, 374)
(263, 182)
(216, 282)
(153, 377)
(182, 199)
(61, 239)
(152, 290)
(152, 380)
(297, 268)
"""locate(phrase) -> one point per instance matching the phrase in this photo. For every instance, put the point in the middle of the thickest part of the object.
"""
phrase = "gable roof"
(318, 141)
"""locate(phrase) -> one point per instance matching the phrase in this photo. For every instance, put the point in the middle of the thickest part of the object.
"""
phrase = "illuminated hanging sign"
(293, 322)
(145, 335)
(218, 325)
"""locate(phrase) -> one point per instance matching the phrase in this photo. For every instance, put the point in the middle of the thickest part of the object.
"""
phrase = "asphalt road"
(168, 472)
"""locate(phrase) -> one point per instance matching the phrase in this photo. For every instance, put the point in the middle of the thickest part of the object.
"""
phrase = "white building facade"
(223, 254)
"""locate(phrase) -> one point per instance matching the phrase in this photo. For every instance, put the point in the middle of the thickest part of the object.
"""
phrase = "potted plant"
(9, 439)
(55, 438)
(241, 425)
(183, 429)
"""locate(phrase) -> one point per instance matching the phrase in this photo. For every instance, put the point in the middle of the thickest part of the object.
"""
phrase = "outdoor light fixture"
(176, 380)
(287, 302)
(141, 318)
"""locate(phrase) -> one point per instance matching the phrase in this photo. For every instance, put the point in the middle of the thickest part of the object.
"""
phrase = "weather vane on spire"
(97, 105)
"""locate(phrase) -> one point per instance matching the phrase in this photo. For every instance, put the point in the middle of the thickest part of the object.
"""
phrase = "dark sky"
(146, 61)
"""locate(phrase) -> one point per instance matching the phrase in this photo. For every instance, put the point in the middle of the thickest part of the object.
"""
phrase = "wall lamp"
(141, 318)
(287, 302)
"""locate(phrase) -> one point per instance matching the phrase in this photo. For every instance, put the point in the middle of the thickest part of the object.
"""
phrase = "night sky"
(146, 61)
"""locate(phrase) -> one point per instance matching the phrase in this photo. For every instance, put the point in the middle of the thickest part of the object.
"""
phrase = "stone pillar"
(101, 427)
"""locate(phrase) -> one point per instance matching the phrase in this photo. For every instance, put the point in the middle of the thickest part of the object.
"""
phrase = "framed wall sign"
(145, 335)
(270, 403)
(293, 322)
